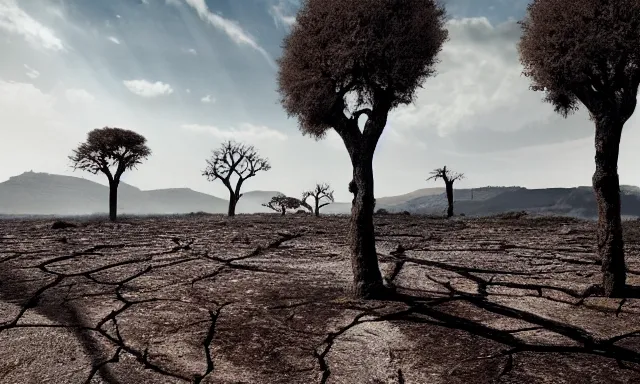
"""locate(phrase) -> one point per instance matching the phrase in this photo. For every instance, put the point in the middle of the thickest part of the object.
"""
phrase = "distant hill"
(46, 194)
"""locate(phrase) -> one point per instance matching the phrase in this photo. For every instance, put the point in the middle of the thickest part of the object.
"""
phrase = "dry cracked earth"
(264, 299)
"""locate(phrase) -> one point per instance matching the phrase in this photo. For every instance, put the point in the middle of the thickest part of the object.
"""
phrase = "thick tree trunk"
(233, 201)
(606, 186)
(449, 188)
(367, 279)
(113, 200)
(317, 210)
(283, 211)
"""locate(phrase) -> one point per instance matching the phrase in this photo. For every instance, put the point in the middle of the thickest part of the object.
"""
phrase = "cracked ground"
(264, 299)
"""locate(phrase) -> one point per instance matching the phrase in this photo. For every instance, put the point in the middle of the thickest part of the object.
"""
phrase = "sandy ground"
(264, 299)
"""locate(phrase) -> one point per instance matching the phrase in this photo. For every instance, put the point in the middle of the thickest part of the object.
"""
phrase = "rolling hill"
(46, 194)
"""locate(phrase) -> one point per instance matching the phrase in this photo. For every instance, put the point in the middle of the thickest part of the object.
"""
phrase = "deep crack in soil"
(182, 299)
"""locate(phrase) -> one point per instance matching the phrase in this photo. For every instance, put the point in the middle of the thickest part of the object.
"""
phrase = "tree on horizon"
(238, 159)
(111, 151)
(320, 192)
(449, 178)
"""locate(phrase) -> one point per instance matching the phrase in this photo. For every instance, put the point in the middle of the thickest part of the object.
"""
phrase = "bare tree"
(347, 59)
(586, 52)
(280, 203)
(111, 151)
(322, 192)
(234, 159)
(449, 178)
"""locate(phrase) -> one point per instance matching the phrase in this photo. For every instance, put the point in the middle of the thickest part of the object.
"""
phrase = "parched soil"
(265, 299)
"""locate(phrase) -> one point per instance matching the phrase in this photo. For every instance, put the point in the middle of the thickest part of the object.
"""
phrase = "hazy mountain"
(46, 194)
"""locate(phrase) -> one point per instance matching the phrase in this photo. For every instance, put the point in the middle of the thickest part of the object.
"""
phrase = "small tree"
(280, 203)
(321, 192)
(449, 178)
(586, 52)
(111, 151)
(346, 59)
(234, 159)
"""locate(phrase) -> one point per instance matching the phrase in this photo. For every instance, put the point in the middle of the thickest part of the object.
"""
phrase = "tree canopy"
(110, 147)
(583, 51)
(445, 174)
(280, 203)
(368, 50)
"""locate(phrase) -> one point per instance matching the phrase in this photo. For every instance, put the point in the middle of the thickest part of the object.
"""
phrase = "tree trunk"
(317, 211)
(449, 198)
(606, 187)
(367, 279)
(232, 204)
(113, 200)
(283, 211)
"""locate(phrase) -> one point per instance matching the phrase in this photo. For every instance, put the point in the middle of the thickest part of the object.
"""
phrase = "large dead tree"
(111, 151)
(347, 59)
(234, 160)
(280, 203)
(449, 178)
(322, 196)
(586, 52)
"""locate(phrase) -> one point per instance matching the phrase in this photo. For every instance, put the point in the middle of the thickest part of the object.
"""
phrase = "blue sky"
(189, 74)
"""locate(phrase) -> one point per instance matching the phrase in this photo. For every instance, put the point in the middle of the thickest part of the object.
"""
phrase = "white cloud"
(16, 21)
(245, 132)
(173, 2)
(32, 73)
(192, 51)
(282, 13)
(114, 40)
(229, 27)
(478, 84)
(118, 16)
(79, 96)
(188, 90)
(146, 88)
(208, 99)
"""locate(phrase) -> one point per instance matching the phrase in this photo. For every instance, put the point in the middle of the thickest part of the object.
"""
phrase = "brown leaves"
(374, 49)
(583, 50)
(108, 147)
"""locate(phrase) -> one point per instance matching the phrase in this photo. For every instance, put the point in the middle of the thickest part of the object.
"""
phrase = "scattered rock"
(62, 225)
(566, 231)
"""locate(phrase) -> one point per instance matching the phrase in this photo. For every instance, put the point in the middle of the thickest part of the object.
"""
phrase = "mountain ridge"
(33, 193)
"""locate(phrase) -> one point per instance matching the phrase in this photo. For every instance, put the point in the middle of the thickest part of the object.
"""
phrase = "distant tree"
(280, 203)
(234, 159)
(111, 151)
(321, 192)
(586, 52)
(449, 178)
(346, 59)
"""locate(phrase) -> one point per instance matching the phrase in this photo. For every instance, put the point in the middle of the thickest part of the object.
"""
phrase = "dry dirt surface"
(264, 299)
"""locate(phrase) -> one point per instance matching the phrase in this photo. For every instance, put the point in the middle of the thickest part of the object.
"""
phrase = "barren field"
(264, 299)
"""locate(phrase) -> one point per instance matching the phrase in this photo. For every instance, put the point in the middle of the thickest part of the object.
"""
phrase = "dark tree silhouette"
(111, 151)
(234, 159)
(321, 192)
(586, 51)
(280, 203)
(449, 178)
(346, 59)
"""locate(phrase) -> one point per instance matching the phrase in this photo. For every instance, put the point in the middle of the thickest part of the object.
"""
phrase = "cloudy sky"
(189, 74)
